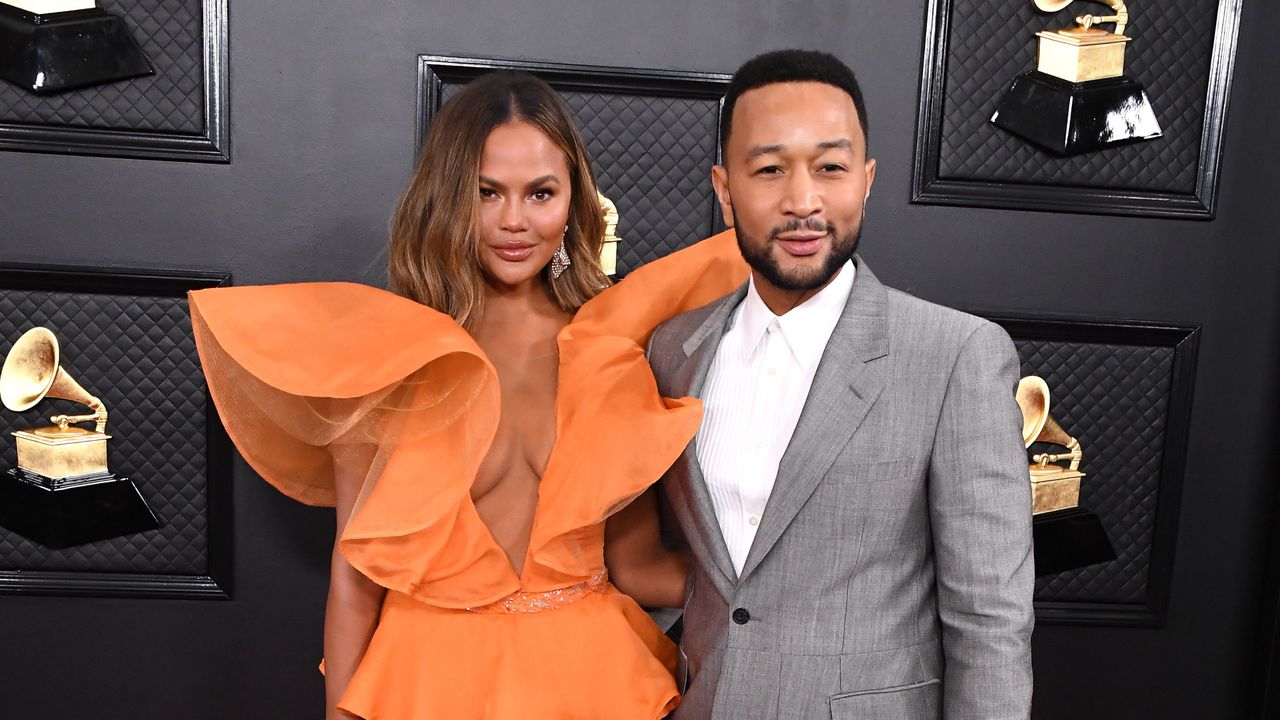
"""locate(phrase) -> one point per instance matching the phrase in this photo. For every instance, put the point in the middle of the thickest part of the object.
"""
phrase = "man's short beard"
(759, 257)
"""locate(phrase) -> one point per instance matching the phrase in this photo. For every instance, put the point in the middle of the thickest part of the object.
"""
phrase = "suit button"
(741, 616)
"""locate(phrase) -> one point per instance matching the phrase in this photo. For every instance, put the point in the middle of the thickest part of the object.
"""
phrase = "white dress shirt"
(756, 387)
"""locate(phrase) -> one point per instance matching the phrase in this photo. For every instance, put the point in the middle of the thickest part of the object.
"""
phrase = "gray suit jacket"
(891, 574)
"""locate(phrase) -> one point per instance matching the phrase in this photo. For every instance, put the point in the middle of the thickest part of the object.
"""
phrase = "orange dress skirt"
(316, 376)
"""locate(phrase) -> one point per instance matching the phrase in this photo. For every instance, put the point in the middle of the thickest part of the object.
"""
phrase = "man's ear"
(720, 182)
(871, 174)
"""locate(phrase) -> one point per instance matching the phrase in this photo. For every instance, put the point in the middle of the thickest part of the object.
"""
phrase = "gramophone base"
(1055, 493)
(72, 511)
(1069, 539)
(62, 51)
(1068, 118)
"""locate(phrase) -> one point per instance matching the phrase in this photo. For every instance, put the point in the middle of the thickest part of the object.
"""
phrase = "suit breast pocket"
(918, 701)
(885, 485)
(855, 493)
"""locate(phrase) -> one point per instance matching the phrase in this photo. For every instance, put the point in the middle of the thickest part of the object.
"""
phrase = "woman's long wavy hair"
(434, 253)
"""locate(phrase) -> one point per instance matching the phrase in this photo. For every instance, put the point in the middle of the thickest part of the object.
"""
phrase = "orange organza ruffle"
(323, 378)
(316, 378)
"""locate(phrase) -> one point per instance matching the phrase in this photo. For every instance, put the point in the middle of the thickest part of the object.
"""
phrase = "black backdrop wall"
(322, 123)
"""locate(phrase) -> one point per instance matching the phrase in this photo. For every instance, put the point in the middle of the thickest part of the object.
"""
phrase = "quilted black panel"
(1115, 400)
(652, 156)
(171, 34)
(992, 41)
(138, 355)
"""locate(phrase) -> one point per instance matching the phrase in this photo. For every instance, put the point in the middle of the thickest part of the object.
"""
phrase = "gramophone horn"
(1038, 426)
(29, 370)
(1052, 5)
(1120, 18)
(1053, 433)
(1033, 400)
(32, 372)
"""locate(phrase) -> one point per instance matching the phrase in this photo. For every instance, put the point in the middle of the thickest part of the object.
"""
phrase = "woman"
(475, 433)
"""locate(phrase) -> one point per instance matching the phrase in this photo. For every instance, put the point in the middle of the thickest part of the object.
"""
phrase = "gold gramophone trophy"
(1066, 536)
(61, 493)
(609, 250)
(1053, 486)
(1078, 98)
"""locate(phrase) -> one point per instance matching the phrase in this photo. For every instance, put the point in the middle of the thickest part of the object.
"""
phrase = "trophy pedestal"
(62, 512)
(1069, 118)
(66, 50)
(1069, 539)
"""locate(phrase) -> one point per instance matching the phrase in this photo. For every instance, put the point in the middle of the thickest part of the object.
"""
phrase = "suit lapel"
(691, 488)
(844, 388)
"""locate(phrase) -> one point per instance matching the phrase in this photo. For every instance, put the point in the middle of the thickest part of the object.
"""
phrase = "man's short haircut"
(782, 66)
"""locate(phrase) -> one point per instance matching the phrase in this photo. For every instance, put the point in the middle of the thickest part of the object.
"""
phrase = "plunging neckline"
(488, 536)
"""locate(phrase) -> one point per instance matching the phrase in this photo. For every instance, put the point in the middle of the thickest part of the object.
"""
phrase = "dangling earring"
(560, 261)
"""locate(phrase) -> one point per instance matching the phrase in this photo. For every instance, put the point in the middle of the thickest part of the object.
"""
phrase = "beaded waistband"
(533, 602)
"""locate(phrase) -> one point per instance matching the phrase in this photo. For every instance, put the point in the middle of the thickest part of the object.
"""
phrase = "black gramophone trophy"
(1078, 98)
(61, 493)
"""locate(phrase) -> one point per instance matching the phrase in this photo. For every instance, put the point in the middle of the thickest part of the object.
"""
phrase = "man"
(856, 500)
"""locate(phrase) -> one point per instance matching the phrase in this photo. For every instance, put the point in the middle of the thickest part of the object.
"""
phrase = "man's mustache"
(809, 224)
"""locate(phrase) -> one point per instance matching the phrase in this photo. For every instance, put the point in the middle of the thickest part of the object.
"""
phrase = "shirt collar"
(807, 327)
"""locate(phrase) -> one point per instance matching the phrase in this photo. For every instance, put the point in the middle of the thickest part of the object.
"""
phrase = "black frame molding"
(1266, 673)
(930, 189)
(1185, 341)
(436, 70)
(216, 584)
(211, 145)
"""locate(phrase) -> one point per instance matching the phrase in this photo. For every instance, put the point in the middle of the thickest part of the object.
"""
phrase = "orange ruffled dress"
(314, 375)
